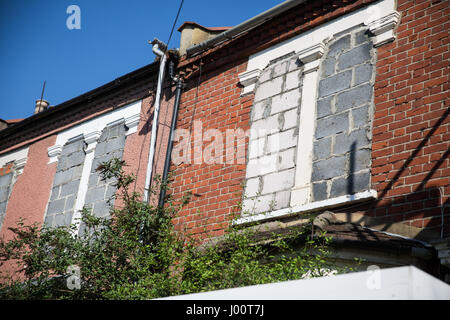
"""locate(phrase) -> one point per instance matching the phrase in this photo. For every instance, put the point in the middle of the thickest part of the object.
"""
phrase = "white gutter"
(157, 46)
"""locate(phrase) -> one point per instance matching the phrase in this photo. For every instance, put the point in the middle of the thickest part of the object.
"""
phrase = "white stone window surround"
(380, 18)
(91, 142)
(130, 113)
(19, 157)
(91, 131)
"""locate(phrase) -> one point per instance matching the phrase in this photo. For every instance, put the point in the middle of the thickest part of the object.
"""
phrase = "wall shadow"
(422, 203)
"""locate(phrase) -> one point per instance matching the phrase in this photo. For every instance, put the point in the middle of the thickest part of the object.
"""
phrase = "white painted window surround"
(91, 142)
(91, 131)
(380, 19)
(129, 113)
(19, 157)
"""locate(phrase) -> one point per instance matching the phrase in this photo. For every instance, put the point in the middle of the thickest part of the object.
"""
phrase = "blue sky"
(36, 45)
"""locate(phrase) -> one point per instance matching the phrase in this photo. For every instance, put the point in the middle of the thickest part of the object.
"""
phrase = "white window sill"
(310, 207)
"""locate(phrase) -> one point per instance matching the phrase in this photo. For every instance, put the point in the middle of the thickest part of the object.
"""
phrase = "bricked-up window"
(68, 178)
(66, 183)
(342, 141)
(342, 129)
(6, 180)
(274, 134)
(78, 152)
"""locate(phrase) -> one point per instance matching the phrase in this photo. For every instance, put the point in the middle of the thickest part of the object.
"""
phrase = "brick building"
(311, 106)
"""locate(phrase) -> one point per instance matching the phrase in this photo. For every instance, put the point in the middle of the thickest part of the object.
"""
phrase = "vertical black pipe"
(173, 125)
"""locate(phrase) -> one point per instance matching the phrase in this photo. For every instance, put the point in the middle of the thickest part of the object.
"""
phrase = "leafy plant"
(136, 253)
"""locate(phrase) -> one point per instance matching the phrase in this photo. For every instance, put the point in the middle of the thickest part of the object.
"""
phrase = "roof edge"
(244, 26)
(213, 29)
(87, 96)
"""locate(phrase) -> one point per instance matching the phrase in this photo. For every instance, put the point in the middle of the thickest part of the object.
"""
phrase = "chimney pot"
(192, 33)
(41, 105)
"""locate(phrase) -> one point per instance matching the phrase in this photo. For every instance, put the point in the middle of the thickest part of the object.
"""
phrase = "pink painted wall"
(135, 153)
(138, 144)
(31, 191)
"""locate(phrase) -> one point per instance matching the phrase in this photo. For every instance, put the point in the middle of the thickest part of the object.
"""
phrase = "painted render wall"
(31, 191)
(47, 189)
(77, 175)
(63, 187)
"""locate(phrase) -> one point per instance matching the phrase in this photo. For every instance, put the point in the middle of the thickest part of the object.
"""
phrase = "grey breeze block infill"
(66, 182)
(99, 196)
(342, 142)
(5, 187)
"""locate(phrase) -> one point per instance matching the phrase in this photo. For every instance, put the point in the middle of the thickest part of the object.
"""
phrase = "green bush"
(136, 253)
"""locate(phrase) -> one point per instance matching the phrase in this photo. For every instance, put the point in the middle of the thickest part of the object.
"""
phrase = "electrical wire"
(165, 50)
(173, 26)
(196, 99)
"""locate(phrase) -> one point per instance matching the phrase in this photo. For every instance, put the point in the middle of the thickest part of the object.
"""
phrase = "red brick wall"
(216, 188)
(219, 106)
(411, 136)
(410, 159)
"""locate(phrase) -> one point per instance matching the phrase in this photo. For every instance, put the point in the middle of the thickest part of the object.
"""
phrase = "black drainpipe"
(173, 125)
